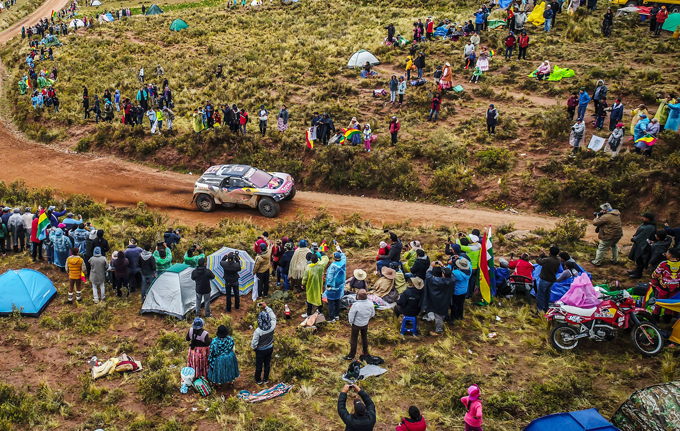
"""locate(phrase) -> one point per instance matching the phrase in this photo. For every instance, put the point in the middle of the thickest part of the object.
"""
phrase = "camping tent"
(76, 23)
(246, 280)
(173, 292)
(584, 420)
(27, 290)
(650, 409)
(671, 22)
(96, 3)
(153, 10)
(178, 25)
(359, 59)
(106, 18)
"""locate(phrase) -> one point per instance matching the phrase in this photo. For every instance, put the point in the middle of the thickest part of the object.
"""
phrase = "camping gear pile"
(120, 364)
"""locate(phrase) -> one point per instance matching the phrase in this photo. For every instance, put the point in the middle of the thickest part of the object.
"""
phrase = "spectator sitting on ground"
(521, 266)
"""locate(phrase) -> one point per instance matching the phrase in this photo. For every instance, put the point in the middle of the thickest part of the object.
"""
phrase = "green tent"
(178, 25)
(153, 10)
(672, 21)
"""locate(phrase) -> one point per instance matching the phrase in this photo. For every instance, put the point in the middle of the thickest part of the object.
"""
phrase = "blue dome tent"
(584, 420)
(27, 290)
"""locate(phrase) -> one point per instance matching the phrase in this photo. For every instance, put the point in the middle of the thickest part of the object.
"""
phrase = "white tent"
(359, 59)
(173, 292)
(96, 3)
(76, 23)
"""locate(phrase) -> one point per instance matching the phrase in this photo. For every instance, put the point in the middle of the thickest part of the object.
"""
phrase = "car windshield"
(260, 179)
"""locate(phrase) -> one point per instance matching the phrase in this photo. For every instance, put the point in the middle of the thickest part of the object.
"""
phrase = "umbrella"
(246, 278)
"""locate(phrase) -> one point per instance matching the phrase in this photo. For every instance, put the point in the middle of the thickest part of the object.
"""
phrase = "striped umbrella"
(245, 279)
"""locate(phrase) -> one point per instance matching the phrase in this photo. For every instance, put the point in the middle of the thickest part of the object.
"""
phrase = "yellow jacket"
(76, 266)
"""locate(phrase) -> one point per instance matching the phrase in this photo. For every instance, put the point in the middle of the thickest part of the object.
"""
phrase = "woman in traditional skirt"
(199, 348)
(446, 80)
(282, 124)
(222, 360)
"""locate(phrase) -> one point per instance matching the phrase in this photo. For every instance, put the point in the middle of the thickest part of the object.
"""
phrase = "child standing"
(473, 417)
(76, 267)
(367, 137)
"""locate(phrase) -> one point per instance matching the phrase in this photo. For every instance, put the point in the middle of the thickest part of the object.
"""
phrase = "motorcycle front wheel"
(563, 338)
(647, 338)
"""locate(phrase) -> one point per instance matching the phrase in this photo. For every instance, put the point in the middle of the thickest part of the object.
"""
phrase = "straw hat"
(418, 283)
(360, 274)
(388, 273)
(415, 245)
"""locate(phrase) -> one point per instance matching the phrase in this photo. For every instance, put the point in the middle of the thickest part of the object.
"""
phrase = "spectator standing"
(147, 266)
(548, 16)
(640, 253)
(263, 114)
(76, 267)
(202, 276)
(360, 314)
(335, 283)
(132, 253)
(231, 266)
(312, 281)
(263, 266)
(550, 265)
(438, 295)
(263, 343)
(523, 44)
(610, 231)
(491, 119)
(572, 104)
(394, 129)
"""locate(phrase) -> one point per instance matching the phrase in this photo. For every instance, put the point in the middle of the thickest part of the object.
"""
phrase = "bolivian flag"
(310, 142)
(43, 224)
(349, 134)
(647, 139)
(487, 279)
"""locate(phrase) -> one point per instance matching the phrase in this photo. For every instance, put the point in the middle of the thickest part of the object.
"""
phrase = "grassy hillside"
(296, 54)
(47, 384)
(17, 12)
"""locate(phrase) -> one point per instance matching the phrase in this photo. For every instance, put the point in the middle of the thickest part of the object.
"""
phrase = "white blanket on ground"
(367, 371)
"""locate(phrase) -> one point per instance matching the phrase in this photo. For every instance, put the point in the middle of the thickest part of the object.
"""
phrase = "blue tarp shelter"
(558, 289)
(440, 31)
(584, 420)
(27, 290)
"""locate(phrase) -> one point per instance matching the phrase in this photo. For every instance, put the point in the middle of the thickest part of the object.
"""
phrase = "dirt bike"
(602, 323)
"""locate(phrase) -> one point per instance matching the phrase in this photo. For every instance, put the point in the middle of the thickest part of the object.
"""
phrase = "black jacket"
(365, 422)
(171, 238)
(420, 267)
(147, 263)
(409, 301)
(202, 277)
(102, 243)
(550, 265)
(419, 62)
(284, 262)
(231, 269)
(395, 252)
(658, 249)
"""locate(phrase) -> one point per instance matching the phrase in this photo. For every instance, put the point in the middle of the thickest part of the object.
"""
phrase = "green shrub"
(567, 231)
(451, 180)
(156, 386)
(547, 192)
(553, 123)
(494, 160)
(300, 369)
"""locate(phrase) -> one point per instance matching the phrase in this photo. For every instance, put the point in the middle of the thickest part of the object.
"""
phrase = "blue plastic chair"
(414, 326)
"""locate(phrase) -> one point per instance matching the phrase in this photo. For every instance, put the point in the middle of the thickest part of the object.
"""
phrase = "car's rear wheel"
(291, 195)
(268, 207)
(205, 203)
(674, 9)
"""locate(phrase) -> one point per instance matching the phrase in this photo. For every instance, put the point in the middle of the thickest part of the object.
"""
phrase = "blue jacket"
(54, 218)
(462, 281)
(335, 278)
(62, 244)
(502, 274)
(116, 97)
(79, 238)
(617, 113)
(583, 99)
(132, 254)
(479, 17)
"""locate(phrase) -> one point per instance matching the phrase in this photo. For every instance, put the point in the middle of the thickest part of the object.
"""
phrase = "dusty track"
(124, 183)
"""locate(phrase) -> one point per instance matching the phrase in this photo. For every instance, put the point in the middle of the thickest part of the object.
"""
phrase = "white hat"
(474, 238)
(360, 274)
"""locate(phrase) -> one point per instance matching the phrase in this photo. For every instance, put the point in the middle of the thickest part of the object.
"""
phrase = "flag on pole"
(43, 224)
(323, 247)
(648, 295)
(487, 278)
(310, 142)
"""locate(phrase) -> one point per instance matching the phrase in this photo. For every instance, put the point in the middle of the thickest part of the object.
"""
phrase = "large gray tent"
(359, 59)
(174, 292)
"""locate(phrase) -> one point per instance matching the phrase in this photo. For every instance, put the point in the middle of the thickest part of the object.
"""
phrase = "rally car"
(231, 185)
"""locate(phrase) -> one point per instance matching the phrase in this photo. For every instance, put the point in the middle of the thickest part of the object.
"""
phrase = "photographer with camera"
(231, 266)
(394, 255)
(363, 418)
(609, 232)
(171, 238)
(193, 255)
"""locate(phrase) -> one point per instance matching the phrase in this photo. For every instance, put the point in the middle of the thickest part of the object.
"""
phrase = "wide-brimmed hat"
(222, 332)
(418, 282)
(463, 264)
(415, 245)
(360, 274)
(388, 273)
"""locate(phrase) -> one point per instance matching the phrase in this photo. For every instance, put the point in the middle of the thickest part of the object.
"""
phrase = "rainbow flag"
(28, 82)
(647, 139)
(310, 142)
(54, 14)
(323, 247)
(487, 278)
(349, 134)
(43, 224)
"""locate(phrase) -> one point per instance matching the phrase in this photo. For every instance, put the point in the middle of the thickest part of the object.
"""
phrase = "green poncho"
(313, 280)
(197, 122)
(163, 264)
(409, 260)
(193, 260)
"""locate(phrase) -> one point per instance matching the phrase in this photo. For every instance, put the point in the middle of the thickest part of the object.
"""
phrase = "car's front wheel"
(291, 195)
(205, 203)
(268, 207)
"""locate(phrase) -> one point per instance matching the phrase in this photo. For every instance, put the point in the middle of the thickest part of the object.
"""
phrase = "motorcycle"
(602, 323)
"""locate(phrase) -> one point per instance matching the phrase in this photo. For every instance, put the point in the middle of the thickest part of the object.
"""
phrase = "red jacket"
(436, 103)
(523, 41)
(572, 102)
(382, 252)
(522, 267)
(409, 425)
(510, 41)
(430, 27)
(661, 16)
(34, 230)
(394, 127)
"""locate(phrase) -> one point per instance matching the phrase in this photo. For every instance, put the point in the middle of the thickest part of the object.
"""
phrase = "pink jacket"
(473, 417)
(394, 127)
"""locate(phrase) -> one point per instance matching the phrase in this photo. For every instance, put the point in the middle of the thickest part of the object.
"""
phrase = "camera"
(385, 230)
(598, 214)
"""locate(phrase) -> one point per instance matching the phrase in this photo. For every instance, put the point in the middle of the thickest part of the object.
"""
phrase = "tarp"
(359, 59)
(96, 3)
(626, 10)
(106, 18)
(173, 292)
(672, 22)
(536, 15)
(76, 23)
(584, 420)
(246, 278)
(153, 10)
(559, 289)
(178, 25)
(441, 31)
(557, 74)
(27, 290)
(655, 408)
(502, 4)
(495, 23)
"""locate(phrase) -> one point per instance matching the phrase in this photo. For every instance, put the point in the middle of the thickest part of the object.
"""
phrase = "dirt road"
(43, 11)
(121, 182)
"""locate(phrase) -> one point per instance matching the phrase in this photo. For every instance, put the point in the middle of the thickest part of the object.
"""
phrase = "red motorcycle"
(602, 323)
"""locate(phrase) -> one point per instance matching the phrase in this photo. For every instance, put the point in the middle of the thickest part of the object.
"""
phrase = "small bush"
(495, 160)
(452, 180)
(547, 193)
(297, 369)
(156, 386)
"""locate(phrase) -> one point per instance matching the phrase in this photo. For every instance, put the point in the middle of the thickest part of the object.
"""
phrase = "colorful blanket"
(265, 394)
(557, 74)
